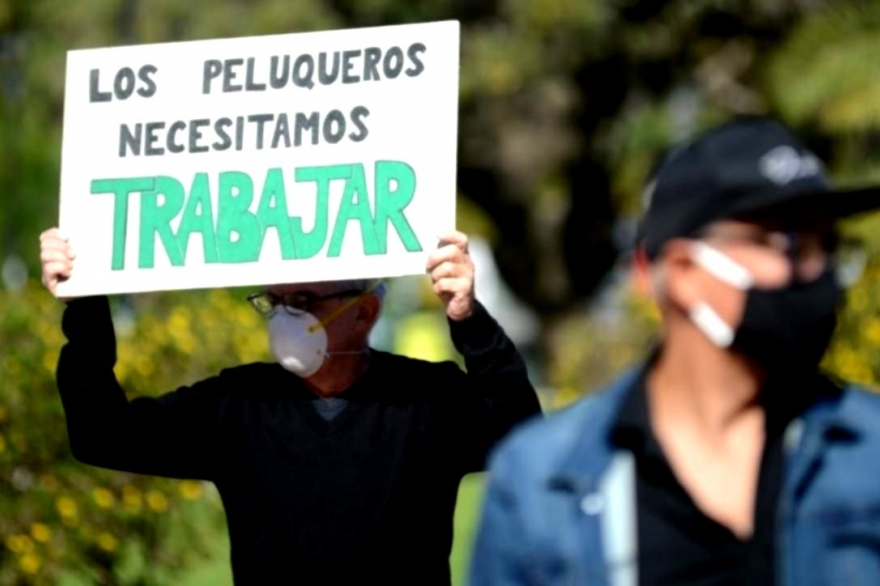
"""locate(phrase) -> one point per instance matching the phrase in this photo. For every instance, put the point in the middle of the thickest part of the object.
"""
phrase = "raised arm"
(496, 393)
(173, 435)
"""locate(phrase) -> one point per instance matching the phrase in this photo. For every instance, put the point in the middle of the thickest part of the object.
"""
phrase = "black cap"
(749, 167)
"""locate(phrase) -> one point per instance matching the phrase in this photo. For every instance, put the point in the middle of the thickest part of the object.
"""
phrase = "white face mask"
(299, 342)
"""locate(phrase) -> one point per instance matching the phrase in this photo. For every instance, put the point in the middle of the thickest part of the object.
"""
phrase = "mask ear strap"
(711, 324)
(720, 266)
(331, 317)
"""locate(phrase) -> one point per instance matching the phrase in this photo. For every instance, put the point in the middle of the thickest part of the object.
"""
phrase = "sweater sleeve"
(173, 435)
(497, 394)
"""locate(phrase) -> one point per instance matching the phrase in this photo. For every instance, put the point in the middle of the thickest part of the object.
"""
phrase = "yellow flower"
(49, 361)
(13, 543)
(191, 490)
(107, 542)
(40, 532)
(19, 544)
(103, 497)
(157, 501)
(131, 498)
(29, 563)
(66, 507)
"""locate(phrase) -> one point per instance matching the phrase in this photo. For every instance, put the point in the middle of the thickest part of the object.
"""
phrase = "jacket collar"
(832, 417)
(591, 451)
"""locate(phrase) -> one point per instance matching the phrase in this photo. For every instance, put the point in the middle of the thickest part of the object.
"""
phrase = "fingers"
(452, 246)
(56, 257)
(60, 246)
(451, 287)
(449, 253)
(451, 270)
(54, 239)
(51, 233)
(455, 238)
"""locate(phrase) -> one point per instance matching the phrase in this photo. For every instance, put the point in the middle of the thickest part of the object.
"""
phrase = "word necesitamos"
(236, 230)
(281, 130)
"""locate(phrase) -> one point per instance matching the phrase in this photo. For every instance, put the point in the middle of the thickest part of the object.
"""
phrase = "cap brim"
(830, 205)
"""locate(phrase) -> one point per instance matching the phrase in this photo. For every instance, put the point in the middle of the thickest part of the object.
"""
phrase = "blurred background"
(564, 106)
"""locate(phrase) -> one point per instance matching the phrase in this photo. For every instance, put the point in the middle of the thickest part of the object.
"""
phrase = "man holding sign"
(339, 463)
(325, 160)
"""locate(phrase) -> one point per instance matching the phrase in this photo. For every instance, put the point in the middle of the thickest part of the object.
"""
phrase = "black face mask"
(789, 329)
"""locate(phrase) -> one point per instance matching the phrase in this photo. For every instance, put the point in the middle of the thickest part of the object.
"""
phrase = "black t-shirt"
(677, 542)
(365, 497)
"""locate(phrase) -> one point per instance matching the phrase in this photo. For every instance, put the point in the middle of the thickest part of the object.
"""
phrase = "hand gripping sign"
(285, 158)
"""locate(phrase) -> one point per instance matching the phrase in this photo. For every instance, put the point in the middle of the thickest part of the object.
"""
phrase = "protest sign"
(286, 158)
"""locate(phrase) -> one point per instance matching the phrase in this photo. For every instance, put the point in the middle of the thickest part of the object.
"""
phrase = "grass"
(216, 571)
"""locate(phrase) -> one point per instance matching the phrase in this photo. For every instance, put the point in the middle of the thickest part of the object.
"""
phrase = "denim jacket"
(560, 505)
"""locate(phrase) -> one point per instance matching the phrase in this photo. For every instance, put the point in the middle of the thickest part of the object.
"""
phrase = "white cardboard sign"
(276, 159)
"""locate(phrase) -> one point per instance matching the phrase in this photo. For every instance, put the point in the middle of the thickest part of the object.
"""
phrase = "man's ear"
(640, 272)
(682, 276)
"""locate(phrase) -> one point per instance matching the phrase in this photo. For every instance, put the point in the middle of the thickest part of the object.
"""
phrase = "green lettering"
(199, 217)
(234, 198)
(272, 213)
(390, 204)
(308, 244)
(156, 220)
(120, 188)
(355, 205)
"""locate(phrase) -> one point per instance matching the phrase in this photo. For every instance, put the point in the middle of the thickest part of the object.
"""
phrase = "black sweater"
(367, 497)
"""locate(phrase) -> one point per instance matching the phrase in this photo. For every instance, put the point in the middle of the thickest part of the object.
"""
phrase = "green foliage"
(59, 517)
(826, 72)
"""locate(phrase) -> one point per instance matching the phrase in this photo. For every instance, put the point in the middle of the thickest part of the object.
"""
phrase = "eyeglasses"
(845, 255)
(294, 303)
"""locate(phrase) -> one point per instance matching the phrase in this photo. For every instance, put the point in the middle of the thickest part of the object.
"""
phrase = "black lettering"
(330, 135)
(300, 79)
(303, 124)
(357, 116)
(278, 78)
(261, 120)
(144, 74)
(173, 145)
(153, 138)
(372, 56)
(392, 71)
(123, 85)
(128, 141)
(239, 132)
(323, 76)
(225, 140)
(212, 69)
(282, 130)
(249, 83)
(195, 134)
(347, 66)
(95, 93)
(413, 53)
(229, 74)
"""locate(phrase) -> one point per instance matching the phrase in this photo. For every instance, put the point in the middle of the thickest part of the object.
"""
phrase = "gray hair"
(376, 287)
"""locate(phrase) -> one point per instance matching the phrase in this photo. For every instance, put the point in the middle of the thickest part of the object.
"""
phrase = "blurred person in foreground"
(338, 464)
(726, 458)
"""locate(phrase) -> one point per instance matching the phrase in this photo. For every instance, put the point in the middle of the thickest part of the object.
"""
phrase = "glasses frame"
(295, 303)
(843, 253)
